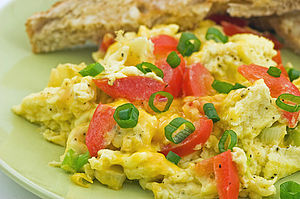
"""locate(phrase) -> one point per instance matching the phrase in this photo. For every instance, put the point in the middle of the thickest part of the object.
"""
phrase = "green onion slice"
(126, 115)
(147, 67)
(92, 70)
(293, 74)
(233, 140)
(162, 93)
(173, 59)
(290, 190)
(225, 87)
(274, 71)
(210, 112)
(222, 87)
(215, 34)
(291, 98)
(188, 44)
(181, 135)
(237, 86)
(73, 162)
(173, 157)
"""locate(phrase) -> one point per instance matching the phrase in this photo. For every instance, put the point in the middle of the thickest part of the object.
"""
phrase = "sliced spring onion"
(188, 44)
(174, 126)
(225, 87)
(215, 34)
(210, 112)
(274, 71)
(147, 67)
(73, 162)
(290, 190)
(173, 59)
(126, 115)
(162, 93)
(92, 70)
(233, 141)
(237, 86)
(222, 87)
(173, 157)
(291, 98)
(293, 74)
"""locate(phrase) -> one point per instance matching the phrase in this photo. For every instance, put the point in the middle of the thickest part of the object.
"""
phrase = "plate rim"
(26, 183)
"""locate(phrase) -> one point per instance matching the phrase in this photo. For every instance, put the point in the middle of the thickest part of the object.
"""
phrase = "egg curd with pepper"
(199, 114)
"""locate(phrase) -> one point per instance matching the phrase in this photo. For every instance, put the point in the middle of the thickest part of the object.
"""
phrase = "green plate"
(24, 154)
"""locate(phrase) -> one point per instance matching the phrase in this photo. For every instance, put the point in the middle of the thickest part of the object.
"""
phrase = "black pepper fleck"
(220, 166)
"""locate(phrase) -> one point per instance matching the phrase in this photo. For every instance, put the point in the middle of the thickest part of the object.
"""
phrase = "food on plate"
(75, 22)
(199, 114)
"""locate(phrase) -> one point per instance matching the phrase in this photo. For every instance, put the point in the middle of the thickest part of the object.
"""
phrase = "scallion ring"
(291, 98)
(174, 126)
(225, 87)
(126, 115)
(173, 157)
(222, 87)
(274, 71)
(290, 190)
(293, 74)
(173, 59)
(210, 112)
(233, 141)
(146, 67)
(215, 34)
(237, 86)
(188, 44)
(162, 93)
(92, 70)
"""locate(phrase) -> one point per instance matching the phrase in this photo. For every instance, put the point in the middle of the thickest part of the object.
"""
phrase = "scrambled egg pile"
(262, 155)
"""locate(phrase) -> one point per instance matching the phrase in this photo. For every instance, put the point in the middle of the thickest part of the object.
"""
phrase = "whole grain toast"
(73, 22)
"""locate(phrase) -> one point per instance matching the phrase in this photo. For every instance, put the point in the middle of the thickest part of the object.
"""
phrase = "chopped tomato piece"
(133, 88)
(172, 76)
(163, 44)
(197, 81)
(102, 122)
(226, 174)
(199, 136)
(234, 20)
(107, 40)
(232, 29)
(277, 86)
(278, 60)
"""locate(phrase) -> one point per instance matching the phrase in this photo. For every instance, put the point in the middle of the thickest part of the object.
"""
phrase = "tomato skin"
(163, 44)
(234, 20)
(199, 136)
(197, 81)
(227, 177)
(172, 76)
(107, 40)
(232, 29)
(277, 86)
(133, 88)
(101, 123)
(226, 174)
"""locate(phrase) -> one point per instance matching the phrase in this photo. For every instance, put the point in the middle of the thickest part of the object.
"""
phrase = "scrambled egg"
(65, 108)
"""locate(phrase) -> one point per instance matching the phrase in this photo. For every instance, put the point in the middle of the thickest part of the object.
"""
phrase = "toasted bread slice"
(288, 27)
(73, 22)
(258, 8)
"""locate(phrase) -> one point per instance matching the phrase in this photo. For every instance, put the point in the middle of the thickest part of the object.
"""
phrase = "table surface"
(11, 190)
